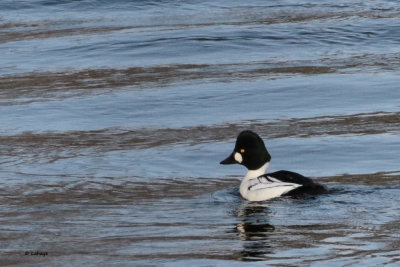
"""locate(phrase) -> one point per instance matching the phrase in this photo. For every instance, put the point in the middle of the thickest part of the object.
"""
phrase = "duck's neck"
(251, 174)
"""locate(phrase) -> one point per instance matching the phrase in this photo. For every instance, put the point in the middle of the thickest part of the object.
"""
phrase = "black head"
(249, 151)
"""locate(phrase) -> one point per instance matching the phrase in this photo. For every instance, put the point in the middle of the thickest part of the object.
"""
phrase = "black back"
(308, 185)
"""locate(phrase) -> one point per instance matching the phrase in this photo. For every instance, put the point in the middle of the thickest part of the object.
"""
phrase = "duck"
(257, 185)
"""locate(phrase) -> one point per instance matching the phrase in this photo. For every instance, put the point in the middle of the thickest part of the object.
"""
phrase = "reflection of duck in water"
(254, 230)
(254, 223)
(251, 152)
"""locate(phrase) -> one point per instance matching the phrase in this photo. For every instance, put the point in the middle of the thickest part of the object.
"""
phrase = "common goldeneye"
(250, 151)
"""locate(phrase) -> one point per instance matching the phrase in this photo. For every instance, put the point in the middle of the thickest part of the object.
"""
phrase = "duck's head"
(250, 151)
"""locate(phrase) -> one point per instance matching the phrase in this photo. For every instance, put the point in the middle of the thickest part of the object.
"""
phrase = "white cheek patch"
(238, 157)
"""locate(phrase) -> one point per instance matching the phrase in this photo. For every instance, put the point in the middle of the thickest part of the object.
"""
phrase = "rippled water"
(115, 114)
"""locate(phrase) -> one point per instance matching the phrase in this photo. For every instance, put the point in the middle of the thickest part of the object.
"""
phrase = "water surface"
(115, 114)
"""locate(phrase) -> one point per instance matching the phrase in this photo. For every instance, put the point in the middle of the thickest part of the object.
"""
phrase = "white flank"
(256, 188)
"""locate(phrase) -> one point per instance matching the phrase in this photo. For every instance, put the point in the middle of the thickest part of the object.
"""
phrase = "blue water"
(116, 114)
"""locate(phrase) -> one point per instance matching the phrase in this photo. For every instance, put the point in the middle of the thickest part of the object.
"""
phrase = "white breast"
(262, 188)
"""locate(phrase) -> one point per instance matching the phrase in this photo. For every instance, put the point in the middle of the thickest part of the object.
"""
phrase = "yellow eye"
(242, 150)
